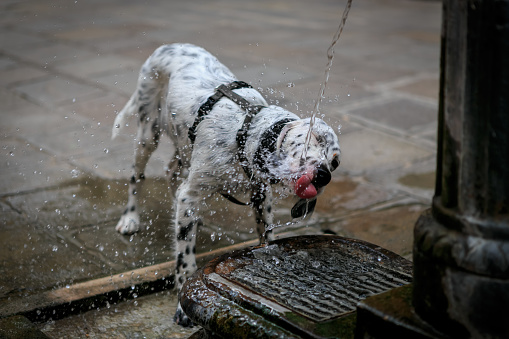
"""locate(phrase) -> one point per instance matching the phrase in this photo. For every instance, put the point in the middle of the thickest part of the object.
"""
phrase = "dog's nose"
(323, 177)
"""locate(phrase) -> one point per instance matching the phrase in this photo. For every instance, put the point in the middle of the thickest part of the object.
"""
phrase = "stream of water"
(330, 57)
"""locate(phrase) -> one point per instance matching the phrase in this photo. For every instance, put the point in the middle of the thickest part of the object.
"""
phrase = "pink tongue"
(304, 188)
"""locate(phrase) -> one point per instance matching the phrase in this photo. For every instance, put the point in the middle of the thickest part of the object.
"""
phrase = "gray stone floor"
(67, 68)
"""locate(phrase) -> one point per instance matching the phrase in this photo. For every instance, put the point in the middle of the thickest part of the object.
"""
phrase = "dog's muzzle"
(322, 177)
(308, 185)
(306, 188)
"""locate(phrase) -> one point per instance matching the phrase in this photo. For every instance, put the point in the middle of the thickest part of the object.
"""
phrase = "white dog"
(227, 137)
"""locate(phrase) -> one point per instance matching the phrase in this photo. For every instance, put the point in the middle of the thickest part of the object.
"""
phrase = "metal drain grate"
(317, 283)
(304, 286)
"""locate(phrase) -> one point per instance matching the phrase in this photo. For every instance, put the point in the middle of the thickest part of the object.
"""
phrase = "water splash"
(330, 57)
(297, 223)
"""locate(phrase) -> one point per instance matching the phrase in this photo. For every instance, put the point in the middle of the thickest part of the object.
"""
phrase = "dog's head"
(306, 172)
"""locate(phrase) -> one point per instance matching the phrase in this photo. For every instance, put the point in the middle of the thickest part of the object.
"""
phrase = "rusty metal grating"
(319, 283)
(304, 286)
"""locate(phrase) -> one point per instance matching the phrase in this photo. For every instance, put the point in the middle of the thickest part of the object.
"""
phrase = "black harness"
(269, 137)
(221, 91)
(252, 110)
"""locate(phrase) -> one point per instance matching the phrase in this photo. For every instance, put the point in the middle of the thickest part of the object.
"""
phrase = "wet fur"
(173, 83)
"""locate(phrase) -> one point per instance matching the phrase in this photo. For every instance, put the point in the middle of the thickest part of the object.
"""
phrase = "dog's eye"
(334, 164)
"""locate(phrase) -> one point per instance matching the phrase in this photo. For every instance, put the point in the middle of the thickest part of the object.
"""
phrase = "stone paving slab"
(68, 67)
(25, 167)
(19, 327)
(14, 75)
(400, 113)
(137, 318)
(54, 91)
(386, 152)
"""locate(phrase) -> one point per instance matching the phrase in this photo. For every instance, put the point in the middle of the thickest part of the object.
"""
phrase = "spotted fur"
(173, 83)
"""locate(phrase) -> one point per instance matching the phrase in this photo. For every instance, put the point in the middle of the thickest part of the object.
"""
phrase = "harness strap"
(251, 110)
(211, 101)
(242, 137)
(268, 142)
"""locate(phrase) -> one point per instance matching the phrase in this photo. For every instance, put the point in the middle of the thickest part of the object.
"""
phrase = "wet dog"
(227, 137)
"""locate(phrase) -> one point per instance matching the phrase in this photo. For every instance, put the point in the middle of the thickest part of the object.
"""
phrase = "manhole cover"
(294, 287)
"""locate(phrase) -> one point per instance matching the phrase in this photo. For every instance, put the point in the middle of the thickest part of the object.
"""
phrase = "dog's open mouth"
(307, 188)
(310, 183)
(304, 187)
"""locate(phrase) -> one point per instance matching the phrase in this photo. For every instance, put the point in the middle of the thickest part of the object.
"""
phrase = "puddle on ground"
(144, 317)
(66, 234)
(390, 228)
(344, 195)
(419, 180)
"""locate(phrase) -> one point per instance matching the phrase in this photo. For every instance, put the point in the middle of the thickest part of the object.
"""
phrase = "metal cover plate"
(297, 283)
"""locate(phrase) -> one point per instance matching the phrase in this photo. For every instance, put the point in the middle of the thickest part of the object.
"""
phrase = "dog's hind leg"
(147, 105)
(146, 143)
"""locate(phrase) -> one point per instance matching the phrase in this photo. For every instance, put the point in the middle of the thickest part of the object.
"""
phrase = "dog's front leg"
(186, 224)
(261, 200)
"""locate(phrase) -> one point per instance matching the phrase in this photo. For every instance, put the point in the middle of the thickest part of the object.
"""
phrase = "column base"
(392, 315)
(461, 281)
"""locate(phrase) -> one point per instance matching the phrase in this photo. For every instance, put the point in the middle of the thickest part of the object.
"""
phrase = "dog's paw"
(180, 318)
(129, 223)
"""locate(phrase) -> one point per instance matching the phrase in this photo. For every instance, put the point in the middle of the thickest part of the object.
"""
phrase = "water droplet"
(75, 173)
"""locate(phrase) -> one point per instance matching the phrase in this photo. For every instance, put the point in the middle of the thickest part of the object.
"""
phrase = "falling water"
(330, 57)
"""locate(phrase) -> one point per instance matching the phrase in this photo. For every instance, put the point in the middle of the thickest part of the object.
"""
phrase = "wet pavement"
(67, 68)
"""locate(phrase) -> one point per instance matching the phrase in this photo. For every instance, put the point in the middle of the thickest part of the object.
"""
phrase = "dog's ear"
(282, 135)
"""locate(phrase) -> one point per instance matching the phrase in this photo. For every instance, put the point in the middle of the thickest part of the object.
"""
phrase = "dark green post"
(461, 248)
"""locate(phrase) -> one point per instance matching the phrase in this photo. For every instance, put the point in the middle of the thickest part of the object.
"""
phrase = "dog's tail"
(124, 115)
